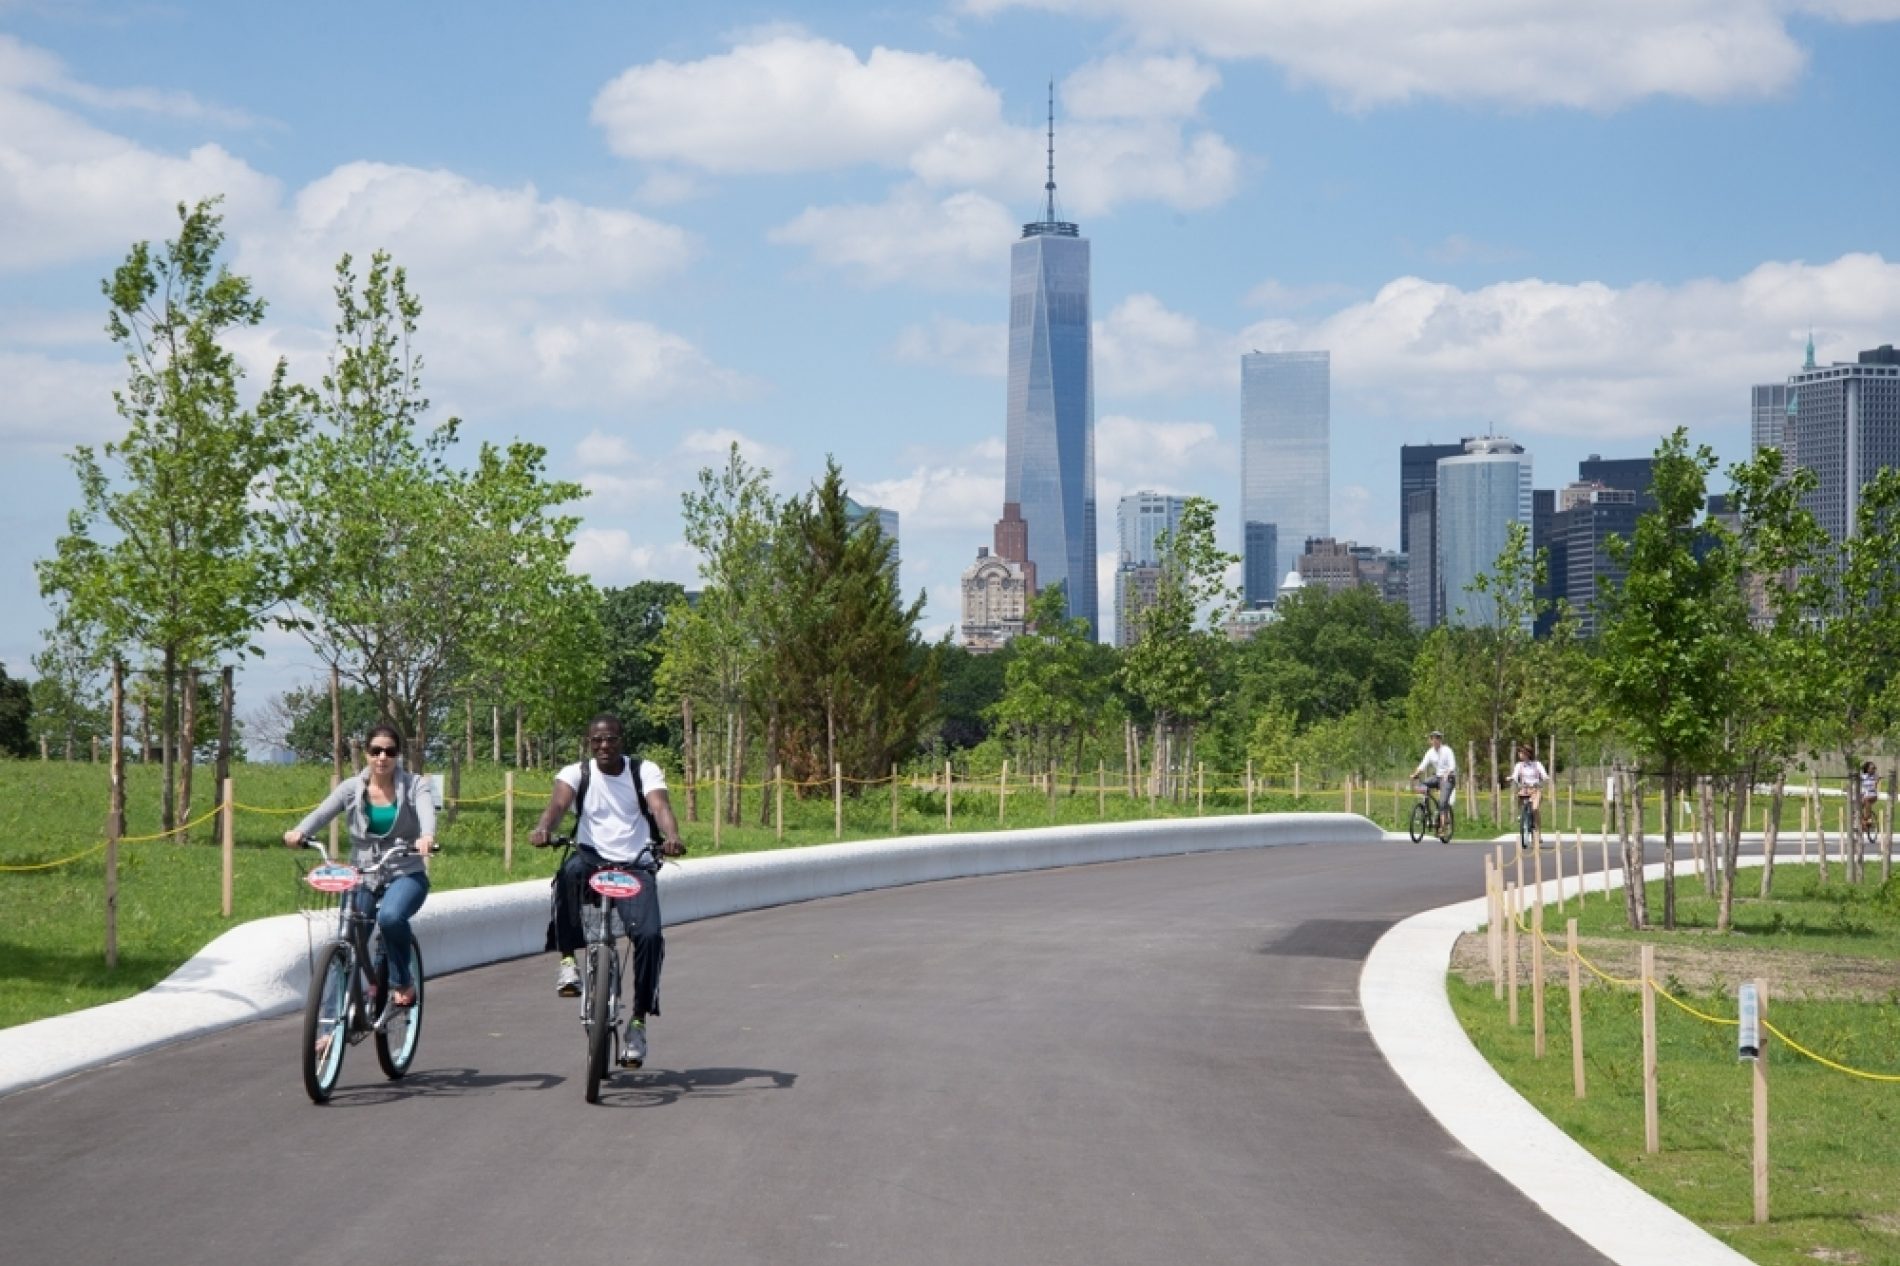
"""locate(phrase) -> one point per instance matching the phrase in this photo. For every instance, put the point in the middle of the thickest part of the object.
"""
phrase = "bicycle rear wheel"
(396, 1040)
(1446, 822)
(597, 984)
(326, 1021)
(1421, 819)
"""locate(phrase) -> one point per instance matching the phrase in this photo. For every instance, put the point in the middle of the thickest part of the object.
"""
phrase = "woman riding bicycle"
(1869, 796)
(1528, 779)
(385, 802)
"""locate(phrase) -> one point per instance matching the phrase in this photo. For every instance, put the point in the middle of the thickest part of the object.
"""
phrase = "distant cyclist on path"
(1439, 767)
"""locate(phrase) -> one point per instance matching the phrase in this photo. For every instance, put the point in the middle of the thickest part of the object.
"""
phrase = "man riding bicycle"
(1439, 767)
(624, 819)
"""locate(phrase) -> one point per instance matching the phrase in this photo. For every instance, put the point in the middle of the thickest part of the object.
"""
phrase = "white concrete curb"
(1402, 992)
(261, 969)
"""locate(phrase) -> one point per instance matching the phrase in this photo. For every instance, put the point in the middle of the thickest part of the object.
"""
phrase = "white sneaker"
(567, 981)
(633, 1051)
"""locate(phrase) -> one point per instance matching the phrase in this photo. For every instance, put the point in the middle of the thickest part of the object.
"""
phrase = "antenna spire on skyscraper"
(1049, 226)
(1049, 215)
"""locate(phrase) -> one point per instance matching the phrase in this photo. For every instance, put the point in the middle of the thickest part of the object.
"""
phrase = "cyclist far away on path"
(1438, 767)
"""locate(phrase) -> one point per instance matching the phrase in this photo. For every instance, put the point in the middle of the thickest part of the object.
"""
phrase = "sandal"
(402, 997)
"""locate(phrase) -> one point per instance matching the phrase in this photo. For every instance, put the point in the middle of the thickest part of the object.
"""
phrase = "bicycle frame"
(359, 893)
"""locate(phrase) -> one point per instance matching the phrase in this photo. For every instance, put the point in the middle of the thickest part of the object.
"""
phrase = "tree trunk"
(689, 757)
(188, 732)
(1732, 846)
(1669, 849)
(167, 741)
(227, 701)
(1630, 827)
(1497, 808)
(1709, 837)
(1771, 832)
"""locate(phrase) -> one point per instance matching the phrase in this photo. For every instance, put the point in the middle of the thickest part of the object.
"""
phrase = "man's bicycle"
(606, 960)
(1429, 817)
(349, 996)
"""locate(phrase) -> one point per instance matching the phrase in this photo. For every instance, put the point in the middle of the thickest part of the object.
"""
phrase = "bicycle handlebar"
(397, 850)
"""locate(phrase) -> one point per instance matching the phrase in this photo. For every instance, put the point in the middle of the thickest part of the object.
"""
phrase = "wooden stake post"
(1537, 976)
(508, 820)
(778, 802)
(115, 813)
(1761, 1104)
(1576, 999)
(229, 847)
(837, 797)
(1652, 1132)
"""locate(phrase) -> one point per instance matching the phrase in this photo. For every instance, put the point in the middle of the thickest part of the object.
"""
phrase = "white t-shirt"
(611, 821)
(1439, 761)
(1528, 774)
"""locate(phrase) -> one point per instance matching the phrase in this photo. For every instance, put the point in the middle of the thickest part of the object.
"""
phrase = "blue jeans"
(401, 899)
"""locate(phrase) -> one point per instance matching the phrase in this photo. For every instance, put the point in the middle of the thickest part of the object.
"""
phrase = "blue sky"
(643, 231)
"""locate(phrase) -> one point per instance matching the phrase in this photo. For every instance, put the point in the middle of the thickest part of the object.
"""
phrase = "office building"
(1049, 459)
(1844, 425)
(1583, 573)
(1422, 594)
(1768, 419)
(886, 521)
(1143, 520)
(1285, 455)
(1418, 472)
(1481, 493)
(995, 602)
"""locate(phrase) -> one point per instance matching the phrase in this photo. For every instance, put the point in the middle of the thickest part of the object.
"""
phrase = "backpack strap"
(639, 796)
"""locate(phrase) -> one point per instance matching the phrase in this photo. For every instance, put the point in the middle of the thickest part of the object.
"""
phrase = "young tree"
(633, 619)
(1665, 646)
(856, 684)
(1171, 667)
(67, 706)
(168, 554)
(1511, 586)
(1774, 697)
(1052, 700)
(414, 578)
(16, 715)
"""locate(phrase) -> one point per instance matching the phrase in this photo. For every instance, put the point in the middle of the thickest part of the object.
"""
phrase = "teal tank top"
(382, 817)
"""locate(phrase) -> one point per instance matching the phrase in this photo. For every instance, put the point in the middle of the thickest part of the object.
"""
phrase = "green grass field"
(1834, 1169)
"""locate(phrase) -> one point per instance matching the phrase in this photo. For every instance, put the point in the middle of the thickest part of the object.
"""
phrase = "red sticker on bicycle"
(616, 884)
(333, 877)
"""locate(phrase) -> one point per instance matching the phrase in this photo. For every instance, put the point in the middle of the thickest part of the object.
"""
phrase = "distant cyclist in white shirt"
(1439, 768)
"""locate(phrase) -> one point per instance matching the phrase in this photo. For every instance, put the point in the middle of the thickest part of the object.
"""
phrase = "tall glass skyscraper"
(1480, 495)
(1844, 425)
(1049, 460)
(1285, 456)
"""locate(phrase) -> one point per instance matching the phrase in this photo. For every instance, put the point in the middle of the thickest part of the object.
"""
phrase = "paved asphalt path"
(1147, 1062)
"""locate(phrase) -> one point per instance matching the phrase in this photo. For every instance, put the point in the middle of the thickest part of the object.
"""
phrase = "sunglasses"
(382, 751)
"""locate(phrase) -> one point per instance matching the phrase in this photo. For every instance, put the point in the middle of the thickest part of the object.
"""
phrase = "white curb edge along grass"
(262, 968)
(1402, 993)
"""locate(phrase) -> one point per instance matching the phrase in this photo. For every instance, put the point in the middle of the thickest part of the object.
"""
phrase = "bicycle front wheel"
(1421, 819)
(396, 1040)
(326, 1021)
(1445, 824)
(598, 985)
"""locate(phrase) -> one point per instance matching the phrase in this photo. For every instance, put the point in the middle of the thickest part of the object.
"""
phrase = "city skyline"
(675, 232)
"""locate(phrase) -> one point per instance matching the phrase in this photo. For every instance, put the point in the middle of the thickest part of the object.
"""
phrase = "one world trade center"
(1049, 462)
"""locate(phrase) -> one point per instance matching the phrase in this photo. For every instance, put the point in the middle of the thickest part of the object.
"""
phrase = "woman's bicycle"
(1526, 822)
(349, 996)
(1429, 817)
(606, 961)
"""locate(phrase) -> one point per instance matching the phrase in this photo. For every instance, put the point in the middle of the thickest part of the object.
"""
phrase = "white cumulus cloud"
(1517, 52)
